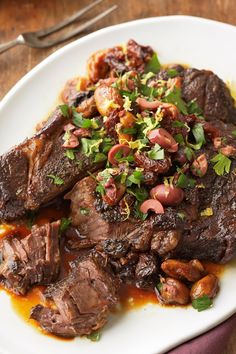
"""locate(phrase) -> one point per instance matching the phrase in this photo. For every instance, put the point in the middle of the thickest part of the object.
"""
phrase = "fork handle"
(11, 44)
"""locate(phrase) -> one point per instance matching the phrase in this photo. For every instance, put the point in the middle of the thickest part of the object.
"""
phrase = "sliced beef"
(213, 237)
(211, 94)
(32, 260)
(81, 302)
(88, 220)
(32, 162)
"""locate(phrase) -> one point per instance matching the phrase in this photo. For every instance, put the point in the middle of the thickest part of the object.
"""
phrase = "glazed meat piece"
(32, 260)
(146, 271)
(32, 162)
(82, 300)
(211, 94)
(88, 220)
(141, 237)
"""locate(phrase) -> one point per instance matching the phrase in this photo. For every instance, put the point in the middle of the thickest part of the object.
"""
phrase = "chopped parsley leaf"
(193, 108)
(140, 194)
(56, 180)
(179, 139)
(65, 223)
(172, 73)
(198, 134)
(129, 130)
(156, 153)
(90, 146)
(234, 132)
(148, 91)
(189, 153)
(99, 157)
(185, 182)
(65, 110)
(94, 336)
(221, 164)
(153, 65)
(159, 286)
(100, 189)
(137, 213)
(135, 178)
(174, 97)
(131, 95)
(70, 153)
(80, 121)
(202, 303)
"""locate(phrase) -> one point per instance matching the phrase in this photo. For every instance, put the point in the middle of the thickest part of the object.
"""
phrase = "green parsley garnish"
(137, 213)
(84, 211)
(185, 182)
(70, 153)
(148, 91)
(100, 189)
(202, 303)
(159, 286)
(153, 65)
(135, 178)
(131, 95)
(199, 136)
(90, 146)
(56, 180)
(94, 336)
(174, 97)
(156, 153)
(222, 164)
(65, 223)
(193, 108)
(80, 121)
(179, 124)
(65, 110)
(129, 130)
(189, 153)
(140, 193)
(172, 73)
(99, 157)
(234, 132)
(179, 139)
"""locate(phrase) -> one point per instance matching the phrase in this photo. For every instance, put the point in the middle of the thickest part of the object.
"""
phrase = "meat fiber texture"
(32, 260)
(32, 162)
(82, 300)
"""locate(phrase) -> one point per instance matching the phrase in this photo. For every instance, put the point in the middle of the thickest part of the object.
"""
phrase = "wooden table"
(24, 15)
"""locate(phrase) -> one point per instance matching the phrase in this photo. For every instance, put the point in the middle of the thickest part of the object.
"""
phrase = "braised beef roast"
(211, 94)
(32, 260)
(120, 247)
(32, 162)
(82, 300)
(90, 222)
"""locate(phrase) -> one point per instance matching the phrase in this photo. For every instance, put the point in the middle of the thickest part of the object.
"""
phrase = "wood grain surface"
(18, 16)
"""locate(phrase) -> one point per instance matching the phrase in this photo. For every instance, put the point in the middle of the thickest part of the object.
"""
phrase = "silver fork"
(32, 39)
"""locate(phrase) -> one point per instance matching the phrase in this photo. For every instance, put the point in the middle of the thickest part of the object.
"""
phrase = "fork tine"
(66, 22)
(81, 28)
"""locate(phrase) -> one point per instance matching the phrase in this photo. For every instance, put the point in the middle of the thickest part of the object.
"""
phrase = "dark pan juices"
(125, 196)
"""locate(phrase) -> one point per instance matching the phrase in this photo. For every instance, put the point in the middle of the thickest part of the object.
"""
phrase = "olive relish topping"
(149, 141)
